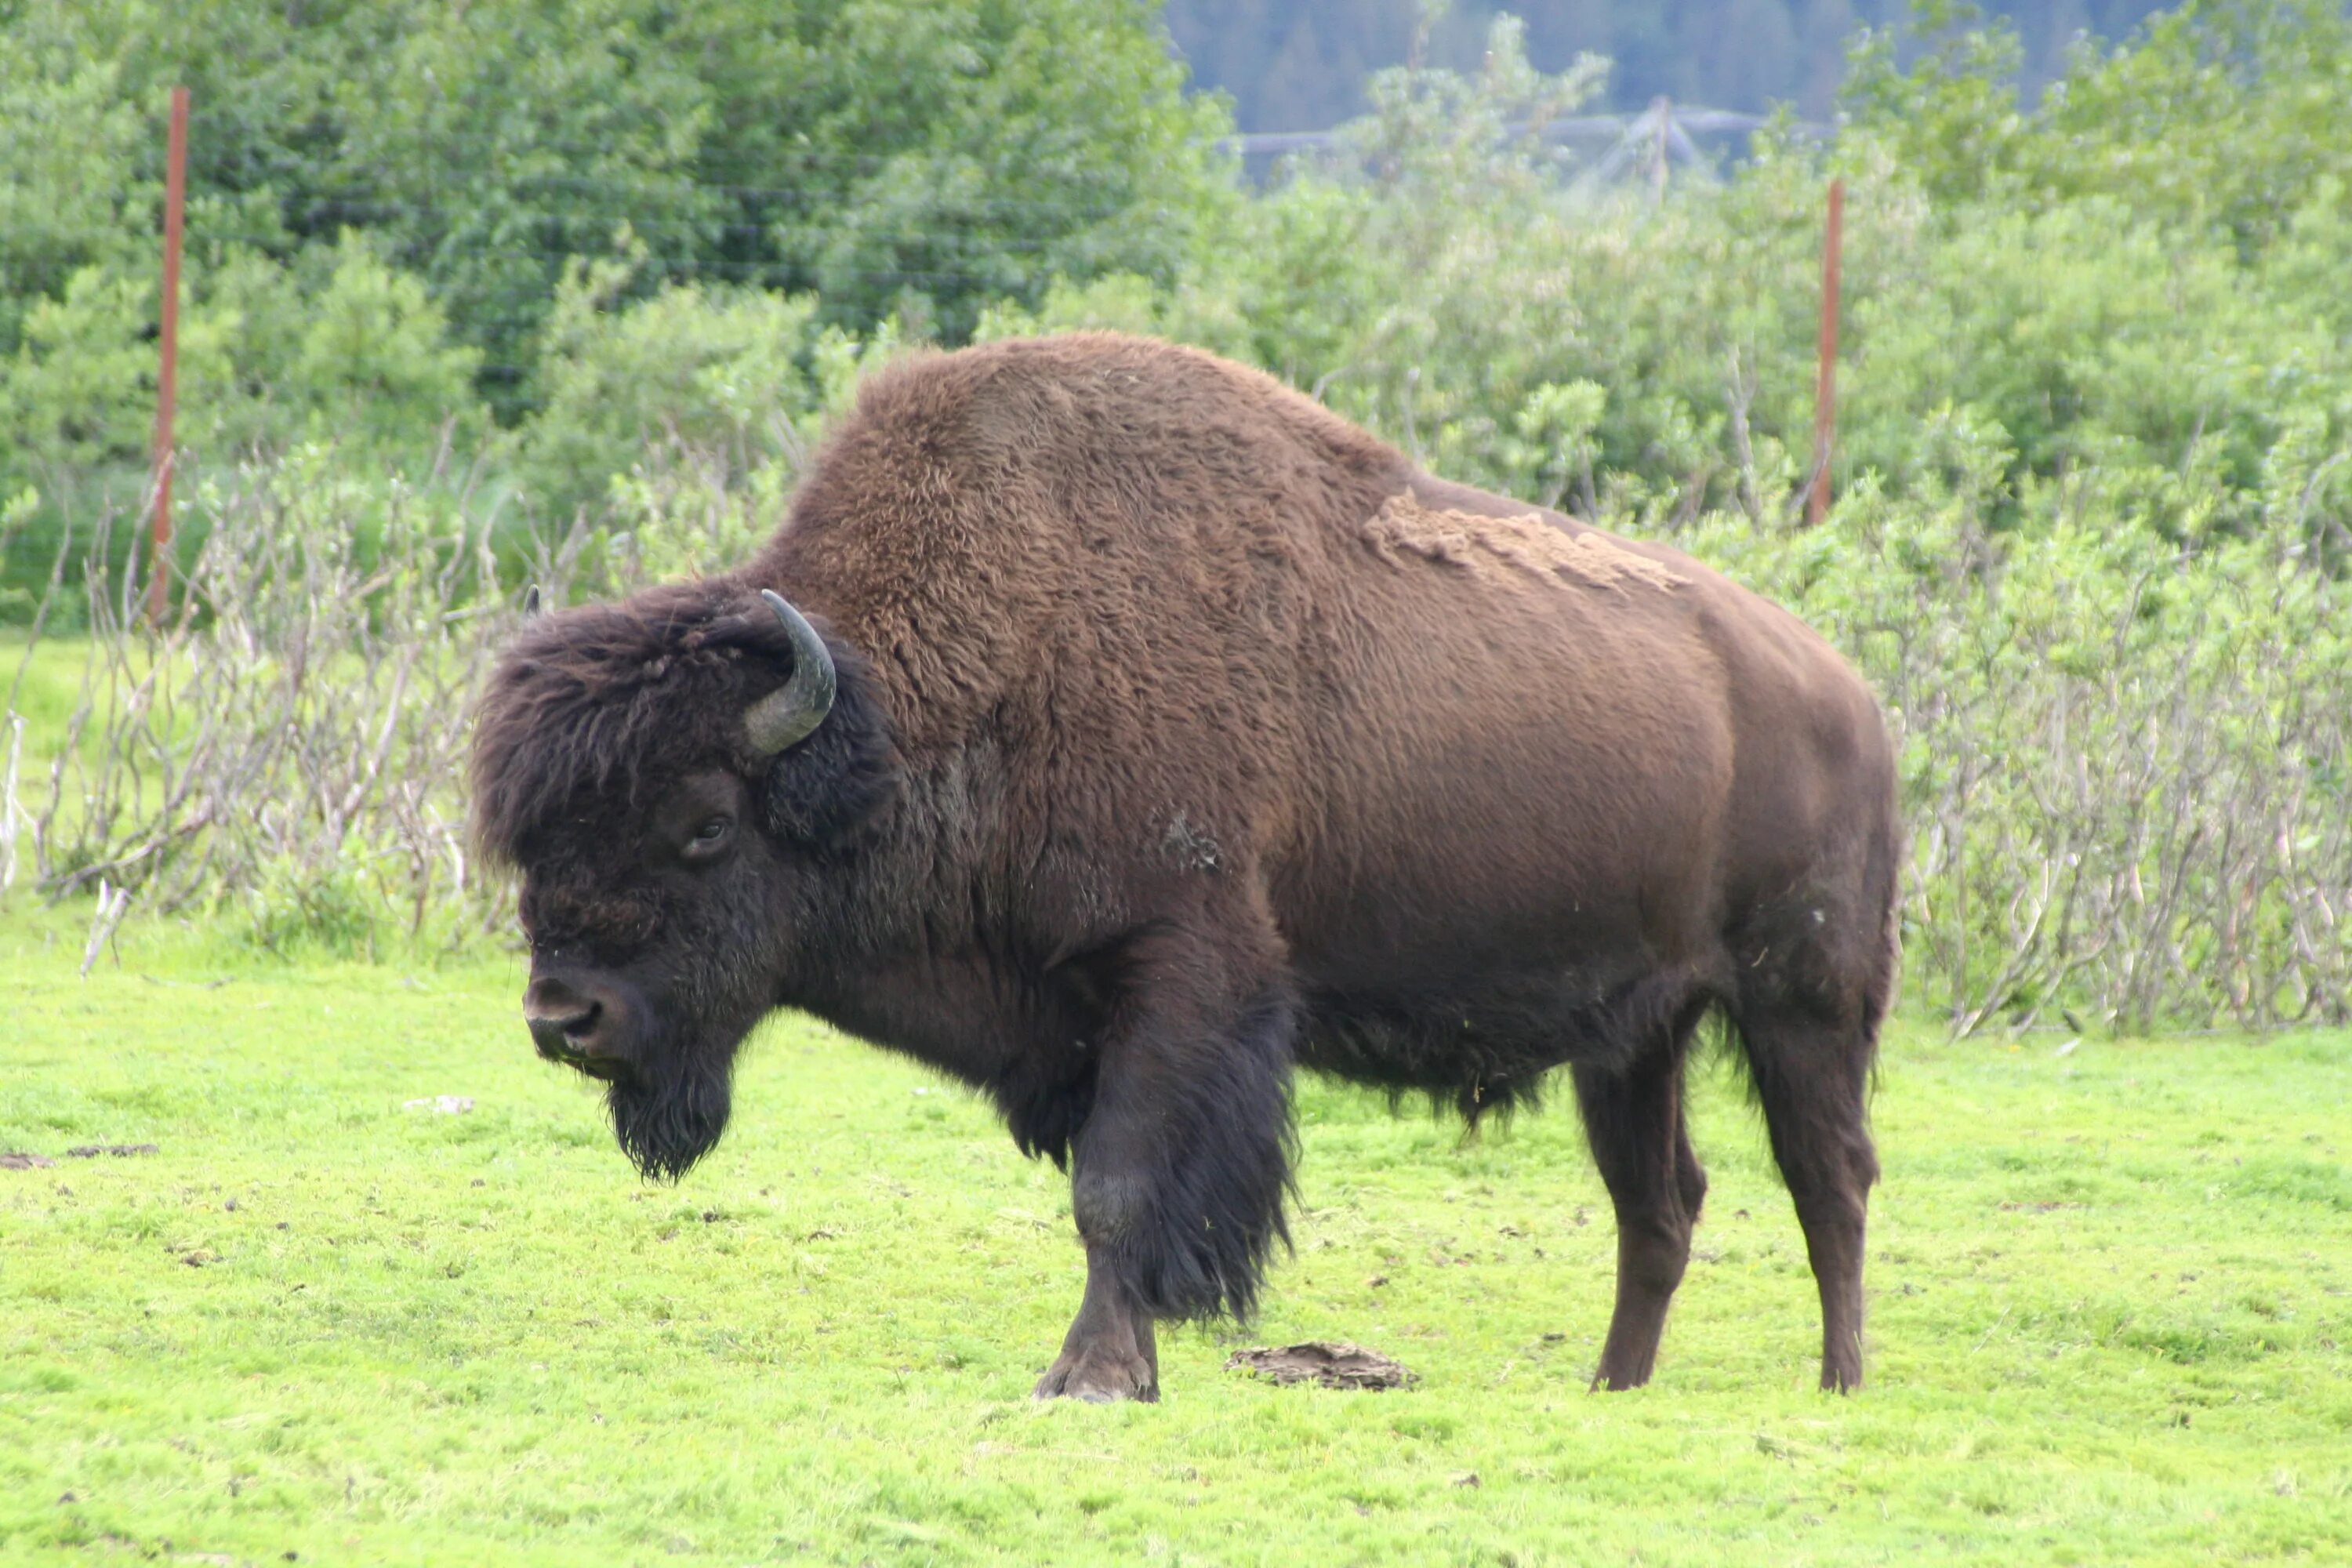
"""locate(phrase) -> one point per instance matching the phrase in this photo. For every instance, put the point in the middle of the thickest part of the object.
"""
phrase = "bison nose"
(566, 1025)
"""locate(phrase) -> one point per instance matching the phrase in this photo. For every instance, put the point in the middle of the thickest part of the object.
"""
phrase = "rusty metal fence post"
(167, 380)
(1817, 503)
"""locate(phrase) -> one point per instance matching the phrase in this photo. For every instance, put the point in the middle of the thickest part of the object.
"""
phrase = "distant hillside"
(1298, 65)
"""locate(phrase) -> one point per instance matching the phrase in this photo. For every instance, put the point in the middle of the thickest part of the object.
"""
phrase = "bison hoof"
(1100, 1377)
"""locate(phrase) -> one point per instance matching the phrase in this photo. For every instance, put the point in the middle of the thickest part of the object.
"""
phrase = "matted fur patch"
(1509, 550)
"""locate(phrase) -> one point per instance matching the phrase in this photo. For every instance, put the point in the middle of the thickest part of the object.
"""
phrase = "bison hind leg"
(1634, 1121)
(1808, 1027)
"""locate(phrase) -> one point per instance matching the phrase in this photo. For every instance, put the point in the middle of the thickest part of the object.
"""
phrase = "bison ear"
(840, 769)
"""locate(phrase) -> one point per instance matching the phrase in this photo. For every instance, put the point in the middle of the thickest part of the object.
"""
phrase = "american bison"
(1116, 729)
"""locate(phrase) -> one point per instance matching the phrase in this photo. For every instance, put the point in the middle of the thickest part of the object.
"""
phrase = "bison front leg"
(1109, 1352)
(1178, 1172)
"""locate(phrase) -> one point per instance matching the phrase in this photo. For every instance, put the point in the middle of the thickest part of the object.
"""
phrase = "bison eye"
(710, 839)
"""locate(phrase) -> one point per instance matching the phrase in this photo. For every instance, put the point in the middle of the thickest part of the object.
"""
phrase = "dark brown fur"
(1187, 733)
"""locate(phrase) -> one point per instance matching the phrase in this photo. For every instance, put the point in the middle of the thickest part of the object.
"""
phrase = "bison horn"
(530, 603)
(787, 717)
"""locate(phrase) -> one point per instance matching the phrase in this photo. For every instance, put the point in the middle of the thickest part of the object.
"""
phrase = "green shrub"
(287, 744)
(2123, 771)
(721, 373)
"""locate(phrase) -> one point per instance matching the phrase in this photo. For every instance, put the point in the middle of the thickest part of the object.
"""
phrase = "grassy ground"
(2112, 1297)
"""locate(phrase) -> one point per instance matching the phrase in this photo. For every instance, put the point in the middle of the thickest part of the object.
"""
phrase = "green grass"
(2111, 1295)
(45, 687)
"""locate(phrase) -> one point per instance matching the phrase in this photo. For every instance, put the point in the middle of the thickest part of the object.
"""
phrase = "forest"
(566, 293)
(1302, 65)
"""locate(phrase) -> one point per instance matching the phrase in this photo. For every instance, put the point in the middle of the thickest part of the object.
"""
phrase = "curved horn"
(789, 716)
(530, 603)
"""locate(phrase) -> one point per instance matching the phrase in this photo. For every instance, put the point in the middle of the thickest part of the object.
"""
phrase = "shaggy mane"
(589, 702)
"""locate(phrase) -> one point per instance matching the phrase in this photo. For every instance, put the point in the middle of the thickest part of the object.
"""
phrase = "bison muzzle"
(1118, 731)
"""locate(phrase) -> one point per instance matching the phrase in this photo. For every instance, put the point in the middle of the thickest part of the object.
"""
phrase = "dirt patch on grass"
(1333, 1363)
(118, 1151)
(12, 1161)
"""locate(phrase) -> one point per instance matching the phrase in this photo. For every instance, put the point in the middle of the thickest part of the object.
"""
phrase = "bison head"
(675, 777)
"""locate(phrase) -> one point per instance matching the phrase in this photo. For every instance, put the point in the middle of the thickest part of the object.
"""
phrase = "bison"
(1118, 731)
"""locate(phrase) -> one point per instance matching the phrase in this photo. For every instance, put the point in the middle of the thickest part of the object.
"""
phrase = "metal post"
(1817, 504)
(167, 381)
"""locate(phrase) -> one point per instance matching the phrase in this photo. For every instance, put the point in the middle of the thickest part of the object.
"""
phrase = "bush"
(918, 158)
(339, 351)
(288, 746)
(719, 373)
(2124, 763)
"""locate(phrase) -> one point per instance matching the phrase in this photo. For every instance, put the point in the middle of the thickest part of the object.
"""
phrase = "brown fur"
(1187, 731)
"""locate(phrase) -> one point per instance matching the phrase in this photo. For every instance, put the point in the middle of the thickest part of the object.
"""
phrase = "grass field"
(2111, 1294)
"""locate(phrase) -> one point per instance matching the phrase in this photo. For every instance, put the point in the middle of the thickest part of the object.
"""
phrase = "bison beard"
(1152, 734)
(667, 1126)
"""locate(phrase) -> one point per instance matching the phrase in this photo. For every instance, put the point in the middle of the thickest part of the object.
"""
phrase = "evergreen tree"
(1295, 65)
